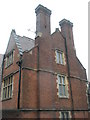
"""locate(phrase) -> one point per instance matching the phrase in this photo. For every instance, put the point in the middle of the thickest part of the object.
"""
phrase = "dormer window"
(9, 59)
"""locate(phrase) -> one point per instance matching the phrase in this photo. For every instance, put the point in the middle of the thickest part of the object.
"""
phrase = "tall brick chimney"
(42, 21)
(67, 32)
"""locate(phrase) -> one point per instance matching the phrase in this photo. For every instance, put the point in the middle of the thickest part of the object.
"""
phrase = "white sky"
(20, 15)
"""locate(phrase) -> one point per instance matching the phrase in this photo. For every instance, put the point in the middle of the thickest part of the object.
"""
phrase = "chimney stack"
(66, 28)
(67, 32)
(42, 21)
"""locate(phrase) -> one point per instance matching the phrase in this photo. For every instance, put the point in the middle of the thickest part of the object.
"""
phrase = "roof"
(26, 43)
(22, 43)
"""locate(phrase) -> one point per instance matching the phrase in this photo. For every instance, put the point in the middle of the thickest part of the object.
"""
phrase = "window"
(65, 115)
(62, 86)
(7, 86)
(88, 95)
(60, 57)
(9, 59)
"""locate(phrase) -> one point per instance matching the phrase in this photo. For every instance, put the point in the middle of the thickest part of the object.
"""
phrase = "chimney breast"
(43, 20)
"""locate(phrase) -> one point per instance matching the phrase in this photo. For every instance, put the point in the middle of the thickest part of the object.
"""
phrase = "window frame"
(88, 95)
(7, 88)
(64, 86)
(60, 58)
(64, 115)
(9, 59)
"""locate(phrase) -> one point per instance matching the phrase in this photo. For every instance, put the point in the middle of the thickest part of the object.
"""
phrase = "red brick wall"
(81, 115)
(79, 94)
(29, 80)
(12, 103)
(47, 80)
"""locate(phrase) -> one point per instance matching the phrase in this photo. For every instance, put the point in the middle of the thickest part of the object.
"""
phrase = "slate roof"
(26, 43)
(23, 43)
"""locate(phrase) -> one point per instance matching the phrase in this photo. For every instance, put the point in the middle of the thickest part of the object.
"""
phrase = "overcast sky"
(20, 15)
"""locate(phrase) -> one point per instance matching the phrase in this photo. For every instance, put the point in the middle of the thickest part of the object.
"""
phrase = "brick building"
(43, 78)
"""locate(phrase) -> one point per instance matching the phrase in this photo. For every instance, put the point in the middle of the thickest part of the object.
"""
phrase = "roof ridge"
(26, 37)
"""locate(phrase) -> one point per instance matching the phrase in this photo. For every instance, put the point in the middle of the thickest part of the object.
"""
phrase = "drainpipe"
(68, 67)
(19, 63)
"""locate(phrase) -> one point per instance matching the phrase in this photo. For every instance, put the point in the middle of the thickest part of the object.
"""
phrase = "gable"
(11, 44)
(58, 40)
(22, 43)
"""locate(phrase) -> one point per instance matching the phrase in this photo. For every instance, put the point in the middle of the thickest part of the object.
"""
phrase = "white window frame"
(7, 88)
(64, 113)
(62, 86)
(60, 58)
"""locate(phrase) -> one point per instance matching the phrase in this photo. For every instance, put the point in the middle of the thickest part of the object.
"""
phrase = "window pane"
(4, 83)
(61, 58)
(59, 79)
(10, 90)
(63, 80)
(57, 56)
(3, 93)
(9, 59)
(12, 57)
(64, 92)
(62, 115)
(11, 79)
(65, 115)
(60, 90)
